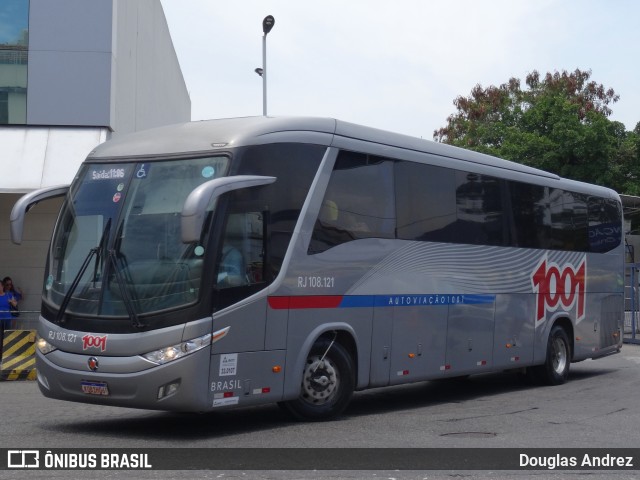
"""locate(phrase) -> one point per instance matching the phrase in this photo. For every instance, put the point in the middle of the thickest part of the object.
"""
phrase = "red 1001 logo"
(557, 286)
(89, 341)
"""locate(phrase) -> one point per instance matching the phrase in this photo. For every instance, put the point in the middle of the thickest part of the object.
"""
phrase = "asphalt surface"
(598, 408)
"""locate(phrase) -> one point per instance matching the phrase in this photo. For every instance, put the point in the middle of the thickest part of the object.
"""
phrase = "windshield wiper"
(83, 268)
(126, 298)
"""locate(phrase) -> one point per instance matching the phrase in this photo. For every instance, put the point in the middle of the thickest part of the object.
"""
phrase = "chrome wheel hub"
(320, 380)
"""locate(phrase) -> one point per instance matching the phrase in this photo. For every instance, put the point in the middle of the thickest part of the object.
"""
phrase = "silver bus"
(219, 264)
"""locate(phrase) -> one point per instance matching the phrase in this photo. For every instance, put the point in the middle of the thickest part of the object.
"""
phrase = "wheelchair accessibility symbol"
(141, 173)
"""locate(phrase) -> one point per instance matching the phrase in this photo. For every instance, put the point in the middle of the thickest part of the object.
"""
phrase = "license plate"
(95, 388)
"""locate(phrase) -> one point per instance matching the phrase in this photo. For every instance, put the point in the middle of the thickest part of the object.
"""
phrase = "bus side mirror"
(27, 201)
(195, 206)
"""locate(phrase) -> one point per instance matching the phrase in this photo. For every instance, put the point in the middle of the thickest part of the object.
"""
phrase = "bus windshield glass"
(117, 247)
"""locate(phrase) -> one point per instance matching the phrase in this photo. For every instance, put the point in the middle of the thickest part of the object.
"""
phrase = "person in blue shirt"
(9, 287)
(7, 300)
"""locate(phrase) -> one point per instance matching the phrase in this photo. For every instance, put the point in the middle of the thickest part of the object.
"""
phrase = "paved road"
(598, 407)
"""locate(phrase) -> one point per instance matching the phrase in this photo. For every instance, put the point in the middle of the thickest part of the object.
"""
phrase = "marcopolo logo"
(93, 341)
(559, 286)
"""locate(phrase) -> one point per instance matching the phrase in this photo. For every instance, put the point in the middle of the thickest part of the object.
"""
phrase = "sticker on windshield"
(198, 251)
(208, 172)
(107, 174)
(117, 197)
(142, 171)
(120, 187)
(49, 283)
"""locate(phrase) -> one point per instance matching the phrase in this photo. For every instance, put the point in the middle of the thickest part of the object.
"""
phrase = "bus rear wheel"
(328, 381)
(555, 370)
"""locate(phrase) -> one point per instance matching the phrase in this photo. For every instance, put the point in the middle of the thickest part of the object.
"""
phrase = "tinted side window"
(568, 220)
(531, 221)
(579, 221)
(295, 166)
(479, 210)
(359, 202)
(426, 202)
(605, 224)
(438, 204)
(557, 219)
(443, 205)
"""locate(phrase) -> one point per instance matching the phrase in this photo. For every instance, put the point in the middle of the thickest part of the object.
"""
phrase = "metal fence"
(14, 55)
(632, 303)
(27, 320)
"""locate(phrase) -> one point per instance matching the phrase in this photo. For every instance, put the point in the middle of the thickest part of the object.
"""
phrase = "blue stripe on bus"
(358, 301)
(364, 301)
(432, 300)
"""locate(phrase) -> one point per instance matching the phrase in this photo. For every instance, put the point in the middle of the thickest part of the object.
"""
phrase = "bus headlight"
(169, 354)
(44, 346)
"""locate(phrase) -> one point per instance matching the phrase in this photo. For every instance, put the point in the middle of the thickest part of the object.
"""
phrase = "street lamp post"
(267, 25)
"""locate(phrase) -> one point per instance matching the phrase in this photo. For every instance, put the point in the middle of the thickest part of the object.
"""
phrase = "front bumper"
(136, 389)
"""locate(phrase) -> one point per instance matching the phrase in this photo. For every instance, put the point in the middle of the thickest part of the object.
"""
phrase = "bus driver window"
(232, 271)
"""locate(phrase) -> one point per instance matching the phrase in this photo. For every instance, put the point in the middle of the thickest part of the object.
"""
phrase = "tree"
(559, 123)
(627, 161)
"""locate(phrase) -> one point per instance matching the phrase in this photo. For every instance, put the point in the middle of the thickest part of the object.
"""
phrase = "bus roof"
(212, 136)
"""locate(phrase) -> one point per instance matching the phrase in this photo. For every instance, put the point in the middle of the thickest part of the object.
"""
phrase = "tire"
(327, 384)
(555, 370)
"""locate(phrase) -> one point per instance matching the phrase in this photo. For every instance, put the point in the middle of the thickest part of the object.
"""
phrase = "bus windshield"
(117, 247)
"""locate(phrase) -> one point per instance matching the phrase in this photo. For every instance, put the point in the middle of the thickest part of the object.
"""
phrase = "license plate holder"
(94, 388)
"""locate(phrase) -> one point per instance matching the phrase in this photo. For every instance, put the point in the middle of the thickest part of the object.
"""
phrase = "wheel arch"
(554, 370)
(567, 325)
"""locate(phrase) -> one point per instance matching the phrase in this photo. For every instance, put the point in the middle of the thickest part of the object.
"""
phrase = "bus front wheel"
(328, 381)
(555, 370)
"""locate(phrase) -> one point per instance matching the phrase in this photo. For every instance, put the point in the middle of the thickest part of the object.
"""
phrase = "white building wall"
(35, 157)
(103, 63)
(148, 88)
(97, 69)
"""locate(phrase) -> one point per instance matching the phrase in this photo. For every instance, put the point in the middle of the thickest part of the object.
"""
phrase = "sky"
(395, 65)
